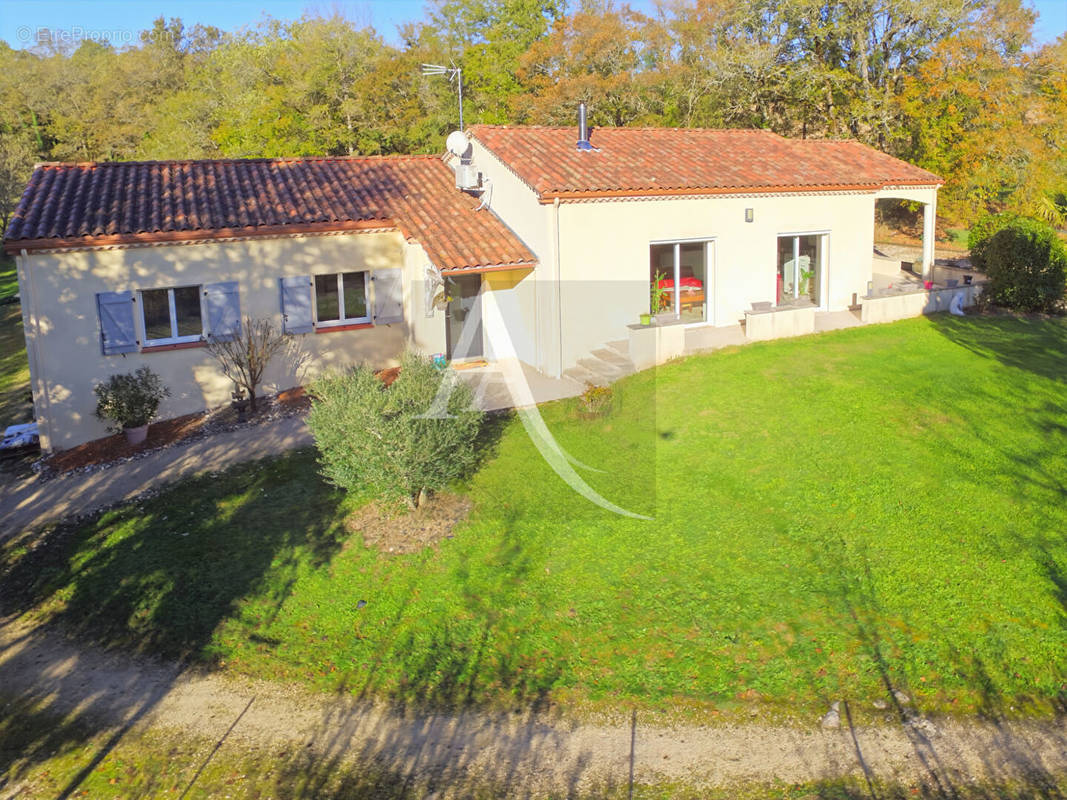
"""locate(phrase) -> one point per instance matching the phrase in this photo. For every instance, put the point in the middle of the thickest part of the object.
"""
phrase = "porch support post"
(929, 220)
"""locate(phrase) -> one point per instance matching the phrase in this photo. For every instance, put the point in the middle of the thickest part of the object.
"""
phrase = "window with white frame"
(341, 298)
(171, 316)
(679, 277)
(800, 269)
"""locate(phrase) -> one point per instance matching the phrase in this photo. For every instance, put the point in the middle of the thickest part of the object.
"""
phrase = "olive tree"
(401, 441)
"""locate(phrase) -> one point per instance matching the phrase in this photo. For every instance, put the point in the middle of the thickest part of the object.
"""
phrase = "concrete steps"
(603, 366)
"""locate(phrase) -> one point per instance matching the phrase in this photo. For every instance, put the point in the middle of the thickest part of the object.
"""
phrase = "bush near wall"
(1025, 261)
(399, 441)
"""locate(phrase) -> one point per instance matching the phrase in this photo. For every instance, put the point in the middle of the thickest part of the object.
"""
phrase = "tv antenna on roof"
(454, 73)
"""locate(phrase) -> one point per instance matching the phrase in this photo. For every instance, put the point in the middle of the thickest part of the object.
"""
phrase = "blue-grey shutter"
(296, 304)
(117, 333)
(388, 296)
(223, 309)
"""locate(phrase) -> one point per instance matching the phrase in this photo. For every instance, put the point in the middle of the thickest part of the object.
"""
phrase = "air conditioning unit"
(467, 177)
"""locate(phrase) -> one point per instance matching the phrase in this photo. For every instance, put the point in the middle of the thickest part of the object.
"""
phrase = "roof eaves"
(480, 268)
(13, 246)
(700, 191)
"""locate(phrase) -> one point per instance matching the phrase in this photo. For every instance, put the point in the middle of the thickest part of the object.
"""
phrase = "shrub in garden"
(1025, 262)
(982, 231)
(597, 400)
(130, 400)
(243, 357)
(396, 440)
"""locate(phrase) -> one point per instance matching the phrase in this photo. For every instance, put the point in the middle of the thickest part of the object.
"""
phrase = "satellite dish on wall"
(458, 144)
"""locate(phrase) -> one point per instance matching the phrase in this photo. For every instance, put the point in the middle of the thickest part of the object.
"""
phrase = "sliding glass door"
(679, 274)
(800, 269)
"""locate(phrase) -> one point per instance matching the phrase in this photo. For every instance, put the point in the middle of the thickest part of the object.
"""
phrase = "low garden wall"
(654, 344)
(777, 323)
(902, 305)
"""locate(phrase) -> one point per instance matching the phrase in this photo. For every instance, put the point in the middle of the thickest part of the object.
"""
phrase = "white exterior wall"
(532, 301)
(593, 278)
(63, 331)
(604, 259)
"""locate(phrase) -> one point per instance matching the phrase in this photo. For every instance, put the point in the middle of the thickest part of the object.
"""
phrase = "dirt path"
(31, 502)
(537, 752)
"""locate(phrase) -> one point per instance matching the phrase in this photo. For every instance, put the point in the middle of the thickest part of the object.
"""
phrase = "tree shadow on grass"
(1010, 755)
(494, 425)
(157, 578)
(431, 737)
(455, 660)
(1031, 344)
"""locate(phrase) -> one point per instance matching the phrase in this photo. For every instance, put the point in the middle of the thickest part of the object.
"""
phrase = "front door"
(463, 301)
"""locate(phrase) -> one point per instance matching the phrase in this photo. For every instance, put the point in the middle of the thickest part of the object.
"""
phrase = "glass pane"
(187, 307)
(785, 271)
(464, 341)
(661, 278)
(691, 291)
(355, 286)
(810, 262)
(156, 304)
(799, 269)
(326, 298)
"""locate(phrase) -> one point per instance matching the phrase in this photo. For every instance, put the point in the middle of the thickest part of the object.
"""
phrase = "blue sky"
(120, 20)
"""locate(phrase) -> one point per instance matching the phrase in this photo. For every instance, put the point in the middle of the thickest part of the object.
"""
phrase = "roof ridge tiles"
(172, 162)
(598, 128)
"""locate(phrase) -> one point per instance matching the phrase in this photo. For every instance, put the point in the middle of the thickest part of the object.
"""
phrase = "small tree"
(1025, 261)
(394, 440)
(244, 357)
(130, 400)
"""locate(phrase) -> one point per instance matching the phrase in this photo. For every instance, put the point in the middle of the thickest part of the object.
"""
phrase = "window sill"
(160, 348)
(355, 326)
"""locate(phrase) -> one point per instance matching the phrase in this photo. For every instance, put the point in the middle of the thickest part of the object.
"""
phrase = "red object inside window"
(686, 283)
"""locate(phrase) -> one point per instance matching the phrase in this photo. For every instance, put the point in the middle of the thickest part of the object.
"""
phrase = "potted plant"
(659, 301)
(807, 283)
(130, 402)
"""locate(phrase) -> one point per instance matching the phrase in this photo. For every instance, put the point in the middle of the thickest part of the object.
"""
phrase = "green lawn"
(836, 514)
(9, 282)
(15, 403)
(957, 237)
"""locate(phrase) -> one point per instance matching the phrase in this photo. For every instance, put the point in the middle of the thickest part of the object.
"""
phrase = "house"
(730, 217)
(571, 235)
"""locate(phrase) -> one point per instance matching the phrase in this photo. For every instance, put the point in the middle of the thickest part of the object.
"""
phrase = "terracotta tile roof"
(666, 161)
(97, 204)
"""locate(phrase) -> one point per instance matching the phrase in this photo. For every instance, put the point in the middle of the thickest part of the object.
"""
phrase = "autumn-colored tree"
(608, 57)
(980, 115)
(950, 84)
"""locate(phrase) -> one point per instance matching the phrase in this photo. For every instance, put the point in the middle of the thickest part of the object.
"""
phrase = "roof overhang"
(519, 265)
(718, 191)
(13, 246)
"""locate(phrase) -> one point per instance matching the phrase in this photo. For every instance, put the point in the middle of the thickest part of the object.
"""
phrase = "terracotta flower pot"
(136, 435)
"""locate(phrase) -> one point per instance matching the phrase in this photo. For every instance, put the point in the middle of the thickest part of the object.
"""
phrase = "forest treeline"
(955, 86)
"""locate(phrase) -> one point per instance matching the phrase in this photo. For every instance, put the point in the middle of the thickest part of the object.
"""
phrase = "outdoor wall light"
(749, 215)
